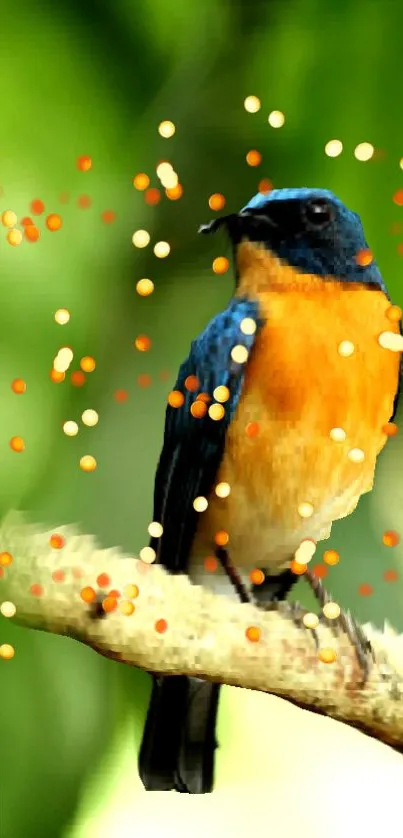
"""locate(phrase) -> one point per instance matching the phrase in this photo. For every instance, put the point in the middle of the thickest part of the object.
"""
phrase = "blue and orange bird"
(296, 357)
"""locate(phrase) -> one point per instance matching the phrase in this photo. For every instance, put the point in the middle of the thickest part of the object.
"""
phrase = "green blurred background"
(96, 79)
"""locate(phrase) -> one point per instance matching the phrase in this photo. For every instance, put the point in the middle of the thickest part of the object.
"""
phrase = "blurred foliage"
(97, 78)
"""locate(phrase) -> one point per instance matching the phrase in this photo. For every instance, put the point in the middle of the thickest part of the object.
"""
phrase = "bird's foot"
(346, 623)
(295, 611)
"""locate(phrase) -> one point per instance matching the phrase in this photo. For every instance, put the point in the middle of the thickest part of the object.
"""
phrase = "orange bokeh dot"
(57, 376)
(114, 593)
(161, 626)
(216, 201)
(77, 378)
(17, 444)
(57, 541)
(253, 634)
(144, 380)
(390, 429)
(1, 572)
(77, 572)
(53, 222)
(36, 589)
(84, 201)
(331, 557)
(394, 314)
(192, 383)
(103, 580)
(327, 655)
(400, 248)
(141, 181)
(365, 589)
(320, 571)
(109, 604)
(88, 363)
(176, 398)
(252, 429)
(391, 538)
(64, 197)
(253, 158)
(6, 559)
(37, 206)
(210, 564)
(298, 568)
(58, 576)
(203, 397)
(26, 222)
(108, 216)
(220, 265)
(84, 163)
(142, 343)
(398, 197)
(364, 257)
(18, 386)
(390, 575)
(121, 395)
(88, 594)
(174, 192)
(198, 409)
(257, 576)
(221, 538)
(265, 186)
(31, 233)
(152, 197)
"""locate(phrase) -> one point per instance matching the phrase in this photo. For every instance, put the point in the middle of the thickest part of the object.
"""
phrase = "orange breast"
(299, 387)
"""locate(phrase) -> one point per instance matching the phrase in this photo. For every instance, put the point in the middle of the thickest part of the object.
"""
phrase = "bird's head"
(310, 230)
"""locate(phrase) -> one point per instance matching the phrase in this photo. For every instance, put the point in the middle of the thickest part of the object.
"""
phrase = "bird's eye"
(318, 213)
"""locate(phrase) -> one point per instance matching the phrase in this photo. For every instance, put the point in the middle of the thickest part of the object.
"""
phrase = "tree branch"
(205, 635)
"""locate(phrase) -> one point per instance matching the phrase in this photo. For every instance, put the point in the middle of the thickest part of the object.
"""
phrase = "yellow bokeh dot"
(166, 129)
(141, 181)
(88, 463)
(131, 591)
(62, 316)
(9, 218)
(221, 393)
(364, 151)
(333, 148)
(310, 620)
(331, 610)
(127, 608)
(276, 119)
(305, 509)
(248, 326)
(337, 434)
(222, 490)
(7, 609)
(200, 504)
(90, 418)
(162, 250)
(147, 555)
(331, 557)
(141, 238)
(88, 363)
(346, 348)
(252, 104)
(145, 287)
(7, 652)
(155, 529)
(70, 428)
(14, 237)
(327, 655)
(216, 412)
(239, 354)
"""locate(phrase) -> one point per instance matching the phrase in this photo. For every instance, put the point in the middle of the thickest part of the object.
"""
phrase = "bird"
(278, 416)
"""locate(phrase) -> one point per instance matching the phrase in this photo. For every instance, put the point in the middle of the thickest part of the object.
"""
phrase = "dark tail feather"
(177, 751)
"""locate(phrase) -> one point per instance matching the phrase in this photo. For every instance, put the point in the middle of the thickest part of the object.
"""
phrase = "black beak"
(239, 224)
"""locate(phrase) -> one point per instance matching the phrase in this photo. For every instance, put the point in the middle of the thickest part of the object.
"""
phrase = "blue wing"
(193, 448)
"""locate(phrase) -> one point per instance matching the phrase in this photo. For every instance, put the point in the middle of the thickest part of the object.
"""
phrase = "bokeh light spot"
(220, 265)
(17, 444)
(166, 129)
(216, 201)
(365, 589)
(333, 148)
(141, 181)
(276, 119)
(253, 634)
(53, 222)
(37, 206)
(57, 541)
(88, 463)
(331, 557)
(176, 398)
(88, 363)
(391, 538)
(145, 287)
(18, 386)
(253, 158)
(161, 626)
(84, 163)
(252, 104)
